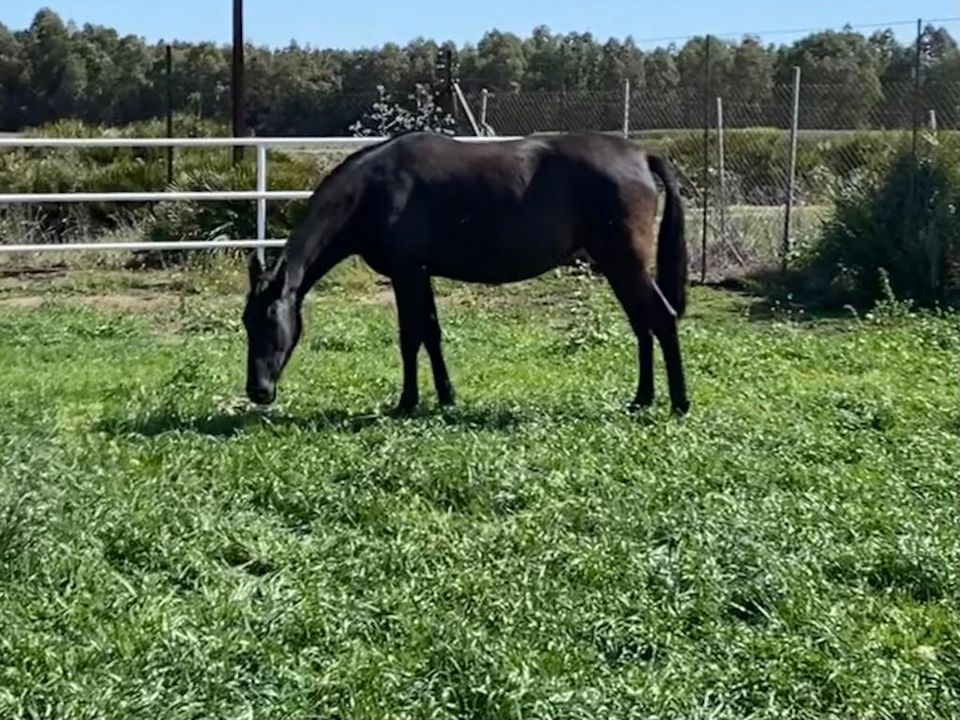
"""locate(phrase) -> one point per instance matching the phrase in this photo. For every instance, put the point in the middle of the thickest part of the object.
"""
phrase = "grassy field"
(790, 549)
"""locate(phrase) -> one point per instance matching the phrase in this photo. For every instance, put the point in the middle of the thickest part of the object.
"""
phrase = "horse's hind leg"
(650, 316)
(644, 396)
(630, 294)
(663, 322)
(431, 340)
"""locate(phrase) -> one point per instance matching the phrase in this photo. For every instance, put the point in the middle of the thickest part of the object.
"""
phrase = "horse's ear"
(255, 268)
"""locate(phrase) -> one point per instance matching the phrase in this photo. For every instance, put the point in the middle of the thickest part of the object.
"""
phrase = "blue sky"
(357, 23)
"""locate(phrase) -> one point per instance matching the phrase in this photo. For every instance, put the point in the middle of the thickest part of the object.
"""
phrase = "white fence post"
(722, 168)
(261, 199)
(792, 176)
(626, 108)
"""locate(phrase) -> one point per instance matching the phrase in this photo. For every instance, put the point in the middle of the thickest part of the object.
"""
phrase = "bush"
(908, 229)
(757, 160)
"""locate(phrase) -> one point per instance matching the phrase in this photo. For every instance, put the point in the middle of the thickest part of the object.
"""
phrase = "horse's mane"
(363, 152)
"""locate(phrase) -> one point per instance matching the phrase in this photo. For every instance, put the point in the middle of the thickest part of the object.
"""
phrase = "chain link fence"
(737, 184)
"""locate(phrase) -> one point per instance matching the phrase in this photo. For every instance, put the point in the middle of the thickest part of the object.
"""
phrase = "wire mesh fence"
(738, 183)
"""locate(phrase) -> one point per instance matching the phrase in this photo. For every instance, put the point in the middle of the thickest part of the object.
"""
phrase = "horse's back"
(507, 210)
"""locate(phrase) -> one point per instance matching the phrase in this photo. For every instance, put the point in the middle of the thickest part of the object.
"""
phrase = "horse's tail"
(672, 256)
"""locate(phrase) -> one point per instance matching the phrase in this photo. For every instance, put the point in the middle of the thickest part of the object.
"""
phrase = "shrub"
(757, 160)
(908, 228)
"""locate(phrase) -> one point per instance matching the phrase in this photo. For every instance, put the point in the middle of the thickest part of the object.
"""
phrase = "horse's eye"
(272, 312)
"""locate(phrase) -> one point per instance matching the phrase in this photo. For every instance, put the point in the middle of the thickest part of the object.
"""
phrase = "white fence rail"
(261, 195)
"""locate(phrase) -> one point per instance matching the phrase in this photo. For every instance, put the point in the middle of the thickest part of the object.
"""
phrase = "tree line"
(54, 70)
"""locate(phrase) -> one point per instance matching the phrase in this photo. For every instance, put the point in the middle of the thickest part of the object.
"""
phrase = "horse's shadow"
(228, 425)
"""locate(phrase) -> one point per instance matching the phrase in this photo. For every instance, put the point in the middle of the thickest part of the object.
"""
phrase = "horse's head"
(273, 323)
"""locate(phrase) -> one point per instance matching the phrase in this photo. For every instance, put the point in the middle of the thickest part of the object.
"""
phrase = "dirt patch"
(127, 302)
(131, 301)
(380, 297)
(33, 272)
(29, 302)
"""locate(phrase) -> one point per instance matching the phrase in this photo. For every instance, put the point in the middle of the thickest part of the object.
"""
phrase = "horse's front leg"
(432, 337)
(411, 313)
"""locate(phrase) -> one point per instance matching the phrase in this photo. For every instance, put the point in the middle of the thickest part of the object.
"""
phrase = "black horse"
(422, 205)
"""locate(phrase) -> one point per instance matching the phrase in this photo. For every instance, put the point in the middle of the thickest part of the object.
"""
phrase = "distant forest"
(55, 70)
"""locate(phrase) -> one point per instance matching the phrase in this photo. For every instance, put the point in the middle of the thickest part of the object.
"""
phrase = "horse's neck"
(306, 269)
(322, 240)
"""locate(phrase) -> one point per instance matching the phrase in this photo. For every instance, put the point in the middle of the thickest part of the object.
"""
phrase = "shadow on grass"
(773, 295)
(228, 425)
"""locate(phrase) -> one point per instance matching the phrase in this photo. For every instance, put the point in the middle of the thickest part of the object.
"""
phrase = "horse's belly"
(500, 254)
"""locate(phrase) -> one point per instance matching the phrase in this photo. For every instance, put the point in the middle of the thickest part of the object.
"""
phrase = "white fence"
(261, 195)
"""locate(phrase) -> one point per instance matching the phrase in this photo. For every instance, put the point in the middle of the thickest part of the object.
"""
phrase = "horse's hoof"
(681, 408)
(405, 408)
(446, 401)
(639, 405)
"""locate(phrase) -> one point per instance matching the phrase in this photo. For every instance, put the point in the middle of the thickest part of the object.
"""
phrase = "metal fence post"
(721, 169)
(706, 161)
(792, 173)
(169, 69)
(626, 108)
(462, 99)
(236, 86)
(918, 63)
(933, 119)
(261, 201)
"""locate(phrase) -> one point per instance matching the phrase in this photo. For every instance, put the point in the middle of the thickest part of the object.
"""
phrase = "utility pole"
(239, 106)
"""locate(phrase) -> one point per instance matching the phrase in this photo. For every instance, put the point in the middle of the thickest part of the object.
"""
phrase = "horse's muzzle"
(261, 396)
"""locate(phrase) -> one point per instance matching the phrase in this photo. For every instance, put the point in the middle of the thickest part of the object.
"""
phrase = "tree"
(544, 70)
(52, 70)
(57, 77)
(751, 73)
(662, 105)
(940, 74)
(692, 66)
(692, 63)
(201, 80)
(298, 80)
(368, 69)
(841, 79)
(581, 61)
(96, 47)
(132, 87)
(662, 74)
(13, 87)
(388, 117)
(501, 63)
(421, 63)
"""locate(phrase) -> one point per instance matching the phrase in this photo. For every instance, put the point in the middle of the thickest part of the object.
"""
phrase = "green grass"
(790, 549)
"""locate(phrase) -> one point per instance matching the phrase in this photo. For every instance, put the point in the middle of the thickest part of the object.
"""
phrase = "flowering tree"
(387, 117)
